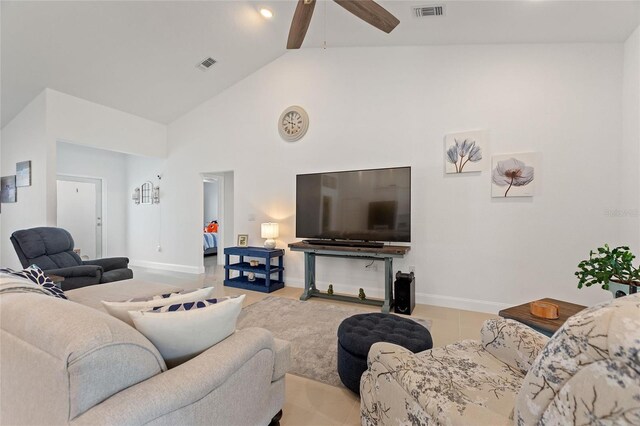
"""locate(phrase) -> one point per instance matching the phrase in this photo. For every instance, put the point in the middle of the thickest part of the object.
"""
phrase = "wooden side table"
(547, 327)
(57, 280)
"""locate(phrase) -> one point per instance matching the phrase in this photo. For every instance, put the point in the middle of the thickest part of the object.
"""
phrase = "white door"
(80, 213)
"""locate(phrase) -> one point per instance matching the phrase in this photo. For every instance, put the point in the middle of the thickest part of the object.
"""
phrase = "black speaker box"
(405, 293)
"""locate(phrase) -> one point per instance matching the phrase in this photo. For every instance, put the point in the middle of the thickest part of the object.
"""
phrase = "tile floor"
(308, 402)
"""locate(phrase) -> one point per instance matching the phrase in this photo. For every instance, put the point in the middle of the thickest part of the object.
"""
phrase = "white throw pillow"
(180, 332)
(121, 310)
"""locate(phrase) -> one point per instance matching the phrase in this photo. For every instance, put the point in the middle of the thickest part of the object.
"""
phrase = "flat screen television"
(358, 205)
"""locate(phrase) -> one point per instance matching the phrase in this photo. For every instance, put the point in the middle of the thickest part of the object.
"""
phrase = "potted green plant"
(612, 269)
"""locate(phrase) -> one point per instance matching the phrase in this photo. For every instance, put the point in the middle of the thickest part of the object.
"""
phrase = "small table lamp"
(269, 231)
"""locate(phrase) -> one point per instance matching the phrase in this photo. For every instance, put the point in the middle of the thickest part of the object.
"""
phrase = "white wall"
(228, 223)
(381, 107)
(148, 228)
(76, 120)
(210, 202)
(111, 167)
(33, 134)
(25, 138)
(630, 189)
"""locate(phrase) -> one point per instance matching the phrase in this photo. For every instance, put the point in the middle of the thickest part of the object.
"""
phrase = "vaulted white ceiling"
(141, 57)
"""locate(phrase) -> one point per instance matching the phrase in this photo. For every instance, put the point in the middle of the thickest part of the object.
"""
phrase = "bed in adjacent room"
(210, 243)
(210, 238)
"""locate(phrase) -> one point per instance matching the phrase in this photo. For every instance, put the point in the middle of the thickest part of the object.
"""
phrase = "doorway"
(211, 220)
(217, 201)
(80, 212)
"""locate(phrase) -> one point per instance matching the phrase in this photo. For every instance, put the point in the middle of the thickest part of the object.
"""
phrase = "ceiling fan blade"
(300, 23)
(372, 13)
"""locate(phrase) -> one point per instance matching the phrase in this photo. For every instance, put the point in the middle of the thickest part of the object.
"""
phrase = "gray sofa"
(66, 362)
(52, 250)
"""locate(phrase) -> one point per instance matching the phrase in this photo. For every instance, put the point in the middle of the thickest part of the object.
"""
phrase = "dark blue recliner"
(51, 249)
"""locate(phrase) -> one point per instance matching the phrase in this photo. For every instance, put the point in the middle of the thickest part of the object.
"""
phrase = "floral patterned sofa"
(587, 373)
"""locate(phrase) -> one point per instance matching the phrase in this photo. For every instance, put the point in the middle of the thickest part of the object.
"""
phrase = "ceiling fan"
(367, 10)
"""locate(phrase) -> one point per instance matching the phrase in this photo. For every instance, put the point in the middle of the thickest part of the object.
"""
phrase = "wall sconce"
(269, 231)
(136, 195)
(156, 195)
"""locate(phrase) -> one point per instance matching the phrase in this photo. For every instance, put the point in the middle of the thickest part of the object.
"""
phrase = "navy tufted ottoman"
(356, 334)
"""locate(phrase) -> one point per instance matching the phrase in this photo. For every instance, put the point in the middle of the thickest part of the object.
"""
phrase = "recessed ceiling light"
(266, 13)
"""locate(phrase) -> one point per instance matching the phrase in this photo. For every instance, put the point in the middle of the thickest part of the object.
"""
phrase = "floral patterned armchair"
(587, 373)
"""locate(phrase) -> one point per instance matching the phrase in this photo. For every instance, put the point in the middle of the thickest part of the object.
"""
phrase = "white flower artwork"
(465, 151)
(512, 175)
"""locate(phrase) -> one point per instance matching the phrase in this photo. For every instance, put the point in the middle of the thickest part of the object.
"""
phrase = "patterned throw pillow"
(189, 305)
(121, 309)
(161, 297)
(37, 276)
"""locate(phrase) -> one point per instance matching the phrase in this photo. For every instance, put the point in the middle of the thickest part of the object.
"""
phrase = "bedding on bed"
(210, 240)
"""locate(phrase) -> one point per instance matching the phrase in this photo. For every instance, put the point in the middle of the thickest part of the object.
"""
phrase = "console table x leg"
(309, 276)
(388, 283)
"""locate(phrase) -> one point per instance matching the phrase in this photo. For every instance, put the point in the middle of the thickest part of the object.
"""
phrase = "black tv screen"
(366, 205)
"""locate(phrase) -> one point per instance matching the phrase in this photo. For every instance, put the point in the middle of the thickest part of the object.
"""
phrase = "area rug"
(312, 329)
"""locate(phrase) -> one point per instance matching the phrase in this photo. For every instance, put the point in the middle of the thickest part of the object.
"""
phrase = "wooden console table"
(386, 253)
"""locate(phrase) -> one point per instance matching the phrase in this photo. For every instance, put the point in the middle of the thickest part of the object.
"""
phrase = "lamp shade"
(269, 230)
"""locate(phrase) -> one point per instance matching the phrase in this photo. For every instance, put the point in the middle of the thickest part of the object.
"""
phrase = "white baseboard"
(168, 266)
(475, 305)
(422, 298)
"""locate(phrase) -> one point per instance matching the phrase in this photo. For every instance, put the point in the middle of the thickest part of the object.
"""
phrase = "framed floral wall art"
(466, 151)
(513, 175)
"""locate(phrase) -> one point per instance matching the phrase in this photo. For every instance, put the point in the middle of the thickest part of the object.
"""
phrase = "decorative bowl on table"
(545, 310)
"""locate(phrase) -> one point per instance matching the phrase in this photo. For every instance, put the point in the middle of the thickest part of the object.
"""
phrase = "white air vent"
(206, 64)
(423, 11)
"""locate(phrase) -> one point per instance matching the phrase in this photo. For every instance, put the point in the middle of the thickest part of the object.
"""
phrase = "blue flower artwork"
(464, 151)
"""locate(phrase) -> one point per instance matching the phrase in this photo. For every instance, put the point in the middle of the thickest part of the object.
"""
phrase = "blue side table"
(263, 272)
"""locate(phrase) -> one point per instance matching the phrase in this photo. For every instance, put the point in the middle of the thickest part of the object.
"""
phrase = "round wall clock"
(293, 123)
